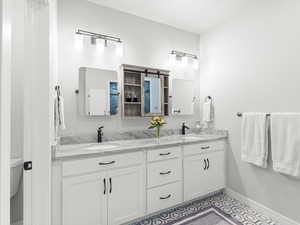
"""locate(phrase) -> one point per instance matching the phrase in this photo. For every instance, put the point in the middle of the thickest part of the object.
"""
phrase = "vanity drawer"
(164, 153)
(203, 147)
(164, 197)
(164, 172)
(75, 167)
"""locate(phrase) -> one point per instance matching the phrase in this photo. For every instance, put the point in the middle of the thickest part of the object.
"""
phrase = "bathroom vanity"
(116, 182)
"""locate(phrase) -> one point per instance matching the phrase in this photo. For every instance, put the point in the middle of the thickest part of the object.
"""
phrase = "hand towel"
(255, 138)
(59, 117)
(285, 143)
(207, 111)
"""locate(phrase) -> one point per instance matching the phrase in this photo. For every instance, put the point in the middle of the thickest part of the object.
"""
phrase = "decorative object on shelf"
(99, 40)
(157, 122)
(183, 57)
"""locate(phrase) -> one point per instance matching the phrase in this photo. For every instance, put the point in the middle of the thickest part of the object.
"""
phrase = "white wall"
(17, 93)
(5, 109)
(146, 43)
(253, 64)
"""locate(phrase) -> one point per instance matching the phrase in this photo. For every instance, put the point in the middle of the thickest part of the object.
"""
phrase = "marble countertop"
(121, 146)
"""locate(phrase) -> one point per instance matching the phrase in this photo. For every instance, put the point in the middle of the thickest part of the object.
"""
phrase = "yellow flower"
(157, 122)
(156, 118)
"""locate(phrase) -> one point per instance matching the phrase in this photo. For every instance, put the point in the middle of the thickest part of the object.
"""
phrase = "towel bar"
(239, 114)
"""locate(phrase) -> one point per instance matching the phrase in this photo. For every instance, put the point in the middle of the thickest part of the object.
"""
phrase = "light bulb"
(100, 45)
(184, 61)
(195, 63)
(172, 59)
(119, 49)
(78, 41)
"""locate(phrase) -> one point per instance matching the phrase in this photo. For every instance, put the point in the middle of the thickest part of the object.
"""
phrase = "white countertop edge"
(67, 152)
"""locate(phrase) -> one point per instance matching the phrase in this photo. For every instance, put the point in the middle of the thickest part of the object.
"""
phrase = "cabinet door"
(216, 171)
(84, 200)
(126, 194)
(194, 177)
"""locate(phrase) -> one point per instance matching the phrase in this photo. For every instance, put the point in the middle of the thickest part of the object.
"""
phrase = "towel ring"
(208, 98)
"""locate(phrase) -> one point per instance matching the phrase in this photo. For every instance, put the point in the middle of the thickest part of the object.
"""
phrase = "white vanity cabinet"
(204, 169)
(125, 195)
(84, 201)
(108, 196)
(117, 188)
(164, 178)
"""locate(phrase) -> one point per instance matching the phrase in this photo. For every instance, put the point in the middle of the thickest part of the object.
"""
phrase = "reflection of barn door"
(5, 94)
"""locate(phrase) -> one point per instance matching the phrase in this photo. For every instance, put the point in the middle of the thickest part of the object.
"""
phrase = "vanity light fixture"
(78, 42)
(100, 45)
(119, 49)
(195, 63)
(184, 58)
(101, 40)
(184, 61)
(172, 59)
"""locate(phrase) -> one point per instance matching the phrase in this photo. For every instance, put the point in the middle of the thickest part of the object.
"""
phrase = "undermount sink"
(101, 147)
(191, 138)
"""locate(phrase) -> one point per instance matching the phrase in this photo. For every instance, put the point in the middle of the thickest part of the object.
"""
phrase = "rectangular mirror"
(98, 92)
(182, 97)
(152, 95)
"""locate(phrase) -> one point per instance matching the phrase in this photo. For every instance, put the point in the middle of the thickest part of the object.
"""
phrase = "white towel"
(207, 111)
(285, 142)
(255, 138)
(59, 117)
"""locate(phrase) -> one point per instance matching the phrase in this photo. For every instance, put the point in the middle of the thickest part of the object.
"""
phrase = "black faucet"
(100, 134)
(183, 127)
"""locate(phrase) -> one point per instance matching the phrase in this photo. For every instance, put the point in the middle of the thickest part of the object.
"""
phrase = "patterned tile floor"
(227, 204)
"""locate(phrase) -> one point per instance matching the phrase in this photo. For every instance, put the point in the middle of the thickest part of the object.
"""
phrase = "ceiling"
(192, 15)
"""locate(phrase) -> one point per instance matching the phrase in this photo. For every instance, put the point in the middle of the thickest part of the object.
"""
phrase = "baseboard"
(277, 217)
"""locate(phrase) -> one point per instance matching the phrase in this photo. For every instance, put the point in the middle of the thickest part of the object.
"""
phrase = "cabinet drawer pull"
(205, 164)
(164, 154)
(110, 183)
(208, 163)
(165, 173)
(108, 163)
(205, 147)
(104, 183)
(168, 196)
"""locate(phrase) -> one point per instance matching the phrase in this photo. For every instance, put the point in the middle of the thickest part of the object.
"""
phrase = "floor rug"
(237, 212)
(210, 216)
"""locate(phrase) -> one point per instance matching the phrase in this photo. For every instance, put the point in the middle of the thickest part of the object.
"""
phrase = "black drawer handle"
(108, 163)
(208, 163)
(168, 196)
(206, 147)
(104, 183)
(165, 173)
(164, 154)
(110, 183)
(205, 164)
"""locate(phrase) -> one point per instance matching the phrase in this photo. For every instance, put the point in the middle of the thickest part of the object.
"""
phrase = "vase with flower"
(156, 123)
